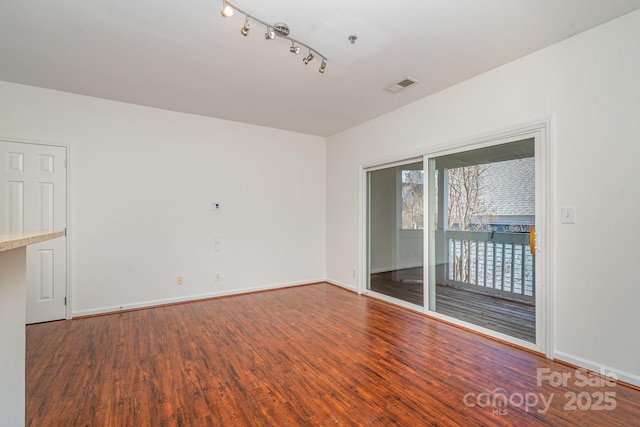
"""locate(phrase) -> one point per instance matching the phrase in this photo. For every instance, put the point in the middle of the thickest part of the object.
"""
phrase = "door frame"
(68, 222)
(541, 129)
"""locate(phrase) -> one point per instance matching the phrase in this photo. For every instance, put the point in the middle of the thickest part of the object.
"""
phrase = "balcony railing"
(494, 263)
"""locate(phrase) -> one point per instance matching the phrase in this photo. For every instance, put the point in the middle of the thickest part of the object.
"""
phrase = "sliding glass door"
(481, 227)
(453, 234)
(395, 214)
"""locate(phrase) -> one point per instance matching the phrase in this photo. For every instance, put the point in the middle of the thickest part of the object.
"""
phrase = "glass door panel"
(481, 210)
(395, 212)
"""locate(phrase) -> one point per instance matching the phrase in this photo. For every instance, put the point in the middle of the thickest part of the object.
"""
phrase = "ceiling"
(182, 55)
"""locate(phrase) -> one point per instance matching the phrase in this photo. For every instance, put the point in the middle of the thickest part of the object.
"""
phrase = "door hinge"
(65, 300)
(65, 231)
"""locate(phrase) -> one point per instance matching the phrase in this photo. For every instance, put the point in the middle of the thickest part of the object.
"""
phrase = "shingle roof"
(509, 187)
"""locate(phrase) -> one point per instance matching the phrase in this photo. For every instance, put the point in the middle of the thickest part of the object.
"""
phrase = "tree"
(467, 210)
(412, 200)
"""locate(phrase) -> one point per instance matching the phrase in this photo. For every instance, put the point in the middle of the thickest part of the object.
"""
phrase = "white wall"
(590, 84)
(143, 181)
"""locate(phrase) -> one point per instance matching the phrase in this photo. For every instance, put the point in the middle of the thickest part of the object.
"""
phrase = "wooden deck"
(315, 355)
(513, 318)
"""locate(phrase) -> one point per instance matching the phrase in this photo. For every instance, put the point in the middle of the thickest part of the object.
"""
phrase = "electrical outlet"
(353, 274)
(179, 280)
(218, 277)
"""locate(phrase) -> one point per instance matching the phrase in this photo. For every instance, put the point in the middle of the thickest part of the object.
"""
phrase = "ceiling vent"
(397, 87)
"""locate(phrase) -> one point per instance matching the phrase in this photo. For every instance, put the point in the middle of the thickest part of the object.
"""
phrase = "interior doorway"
(33, 198)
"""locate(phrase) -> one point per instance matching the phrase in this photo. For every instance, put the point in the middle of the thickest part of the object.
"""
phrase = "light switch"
(567, 215)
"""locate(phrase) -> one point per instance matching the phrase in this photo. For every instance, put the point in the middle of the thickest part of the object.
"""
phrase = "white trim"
(590, 365)
(498, 136)
(544, 217)
(68, 222)
(191, 298)
(550, 241)
(391, 268)
(363, 247)
(392, 163)
(343, 285)
(394, 301)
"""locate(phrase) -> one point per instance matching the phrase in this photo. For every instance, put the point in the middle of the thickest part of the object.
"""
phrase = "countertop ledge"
(10, 241)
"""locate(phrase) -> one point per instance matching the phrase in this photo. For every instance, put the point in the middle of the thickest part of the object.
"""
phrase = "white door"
(33, 197)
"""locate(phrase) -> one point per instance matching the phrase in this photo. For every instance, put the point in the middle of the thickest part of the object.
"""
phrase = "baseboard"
(623, 376)
(343, 285)
(396, 268)
(188, 298)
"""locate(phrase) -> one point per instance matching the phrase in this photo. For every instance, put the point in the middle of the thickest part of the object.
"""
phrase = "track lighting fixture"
(270, 34)
(227, 10)
(278, 29)
(245, 28)
(308, 58)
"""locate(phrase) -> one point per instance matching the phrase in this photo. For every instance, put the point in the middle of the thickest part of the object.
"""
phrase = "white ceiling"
(182, 55)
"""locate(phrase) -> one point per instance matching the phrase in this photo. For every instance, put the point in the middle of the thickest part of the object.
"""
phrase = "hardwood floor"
(516, 319)
(309, 355)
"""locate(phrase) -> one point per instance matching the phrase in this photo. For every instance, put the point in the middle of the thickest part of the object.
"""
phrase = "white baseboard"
(394, 268)
(343, 285)
(590, 365)
(187, 298)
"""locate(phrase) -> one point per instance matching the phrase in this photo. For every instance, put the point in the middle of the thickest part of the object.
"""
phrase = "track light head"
(323, 66)
(245, 28)
(270, 34)
(294, 49)
(308, 58)
(227, 10)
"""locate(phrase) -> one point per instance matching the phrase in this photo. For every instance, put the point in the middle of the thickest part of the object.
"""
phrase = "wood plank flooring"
(513, 318)
(309, 355)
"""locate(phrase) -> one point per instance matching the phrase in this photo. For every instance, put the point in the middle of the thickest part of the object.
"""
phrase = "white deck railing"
(494, 263)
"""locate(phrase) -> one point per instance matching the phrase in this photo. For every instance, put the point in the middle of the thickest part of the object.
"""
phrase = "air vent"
(397, 87)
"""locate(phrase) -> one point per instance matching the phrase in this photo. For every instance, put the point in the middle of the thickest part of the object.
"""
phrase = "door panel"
(33, 191)
(481, 211)
(396, 232)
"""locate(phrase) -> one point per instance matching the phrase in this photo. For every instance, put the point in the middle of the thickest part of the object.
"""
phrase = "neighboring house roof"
(508, 188)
